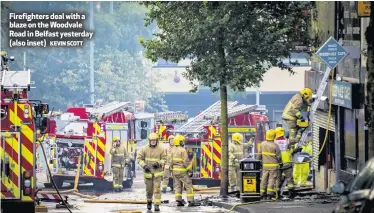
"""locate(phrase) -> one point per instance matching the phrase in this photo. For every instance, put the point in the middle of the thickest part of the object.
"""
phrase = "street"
(137, 192)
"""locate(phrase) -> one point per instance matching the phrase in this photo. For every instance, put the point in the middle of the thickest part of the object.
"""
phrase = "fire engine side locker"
(10, 165)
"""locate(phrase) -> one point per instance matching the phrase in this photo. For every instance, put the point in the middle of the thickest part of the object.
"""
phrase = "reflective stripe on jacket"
(270, 155)
(178, 159)
(292, 111)
(150, 156)
(119, 156)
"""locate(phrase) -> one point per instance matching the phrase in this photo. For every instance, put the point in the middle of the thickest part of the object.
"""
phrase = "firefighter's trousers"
(117, 177)
(181, 178)
(292, 129)
(301, 172)
(268, 180)
(165, 181)
(234, 178)
(153, 186)
(286, 172)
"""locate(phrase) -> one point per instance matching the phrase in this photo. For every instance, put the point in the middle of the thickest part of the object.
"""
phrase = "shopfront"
(350, 137)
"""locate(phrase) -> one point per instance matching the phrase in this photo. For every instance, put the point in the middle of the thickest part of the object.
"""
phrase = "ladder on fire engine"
(315, 104)
(16, 80)
(110, 108)
(213, 112)
(170, 115)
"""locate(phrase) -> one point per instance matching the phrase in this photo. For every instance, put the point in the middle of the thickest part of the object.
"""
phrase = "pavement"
(137, 192)
(318, 203)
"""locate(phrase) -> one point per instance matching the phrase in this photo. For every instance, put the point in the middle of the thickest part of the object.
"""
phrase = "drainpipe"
(337, 146)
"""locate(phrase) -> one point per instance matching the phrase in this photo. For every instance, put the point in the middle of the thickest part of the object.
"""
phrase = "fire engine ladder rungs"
(236, 110)
(16, 79)
(200, 120)
(315, 104)
(169, 115)
(112, 107)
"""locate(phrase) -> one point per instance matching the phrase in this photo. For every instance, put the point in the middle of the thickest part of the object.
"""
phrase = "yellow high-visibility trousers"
(301, 172)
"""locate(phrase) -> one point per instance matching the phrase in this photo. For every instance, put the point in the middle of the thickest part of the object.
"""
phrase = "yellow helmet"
(270, 135)
(179, 140)
(153, 136)
(237, 137)
(279, 132)
(306, 93)
(115, 138)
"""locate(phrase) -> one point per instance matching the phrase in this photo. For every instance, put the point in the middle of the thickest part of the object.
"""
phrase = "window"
(365, 179)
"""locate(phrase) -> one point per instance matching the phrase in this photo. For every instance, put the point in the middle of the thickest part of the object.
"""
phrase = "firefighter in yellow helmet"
(152, 158)
(270, 156)
(182, 171)
(119, 161)
(235, 155)
(302, 169)
(286, 153)
(167, 173)
(293, 112)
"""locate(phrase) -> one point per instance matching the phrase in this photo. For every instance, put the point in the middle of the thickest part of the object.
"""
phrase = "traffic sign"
(332, 53)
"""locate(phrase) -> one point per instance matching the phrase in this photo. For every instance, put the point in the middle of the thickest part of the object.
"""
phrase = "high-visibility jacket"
(119, 156)
(167, 152)
(178, 160)
(292, 111)
(286, 152)
(270, 155)
(308, 148)
(235, 152)
(150, 156)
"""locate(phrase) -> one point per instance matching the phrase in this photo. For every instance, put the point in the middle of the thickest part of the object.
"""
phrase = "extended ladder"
(315, 104)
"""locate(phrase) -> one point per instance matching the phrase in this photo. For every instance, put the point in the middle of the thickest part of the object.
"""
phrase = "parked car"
(358, 196)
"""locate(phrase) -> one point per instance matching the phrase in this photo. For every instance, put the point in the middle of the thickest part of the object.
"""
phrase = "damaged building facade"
(341, 136)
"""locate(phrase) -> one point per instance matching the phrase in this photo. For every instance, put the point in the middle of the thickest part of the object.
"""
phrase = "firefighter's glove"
(147, 169)
(281, 165)
(156, 165)
(189, 173)
(296, 150)
(236, 160)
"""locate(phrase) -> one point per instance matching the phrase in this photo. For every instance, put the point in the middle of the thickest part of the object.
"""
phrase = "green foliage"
(234, 43)
(62, 74)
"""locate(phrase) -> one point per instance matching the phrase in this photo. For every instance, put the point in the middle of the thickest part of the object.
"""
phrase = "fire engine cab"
(167, 122)
(203, 137)
(88, 132)
(21, 119)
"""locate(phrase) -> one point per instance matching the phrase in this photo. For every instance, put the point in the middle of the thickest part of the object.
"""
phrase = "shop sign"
(342, 94)
(363, 8)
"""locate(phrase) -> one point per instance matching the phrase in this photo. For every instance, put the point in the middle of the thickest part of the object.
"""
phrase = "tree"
(230, 43)
(370, 81)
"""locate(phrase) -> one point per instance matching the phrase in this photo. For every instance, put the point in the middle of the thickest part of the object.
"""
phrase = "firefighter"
(286, 153)
(167, 173)
(235, 154)
(152, 158)
(119, 161)
(270, 155)
(292, 113)
(181, 167)
(302, 169)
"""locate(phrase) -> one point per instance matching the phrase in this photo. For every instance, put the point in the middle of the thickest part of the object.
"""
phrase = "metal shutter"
(320, 121)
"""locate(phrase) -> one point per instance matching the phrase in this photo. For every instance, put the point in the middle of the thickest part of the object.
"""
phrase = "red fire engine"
(89, 134)
(203, 137)
(20, 120)
(167, 121)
